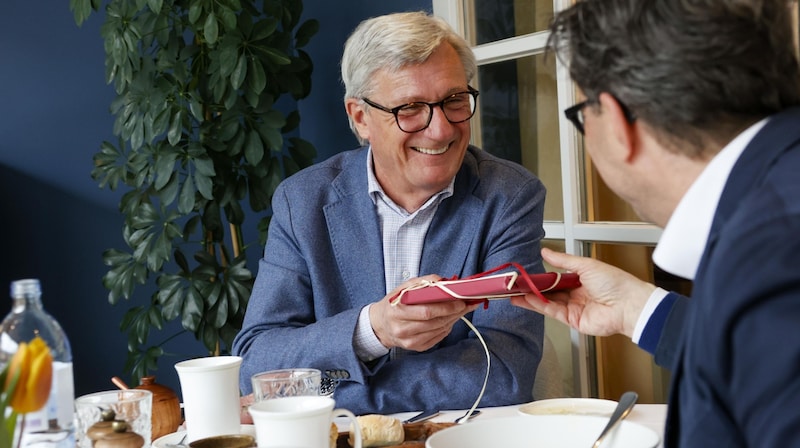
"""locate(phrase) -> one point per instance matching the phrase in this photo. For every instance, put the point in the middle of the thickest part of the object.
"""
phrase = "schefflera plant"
(207, 123)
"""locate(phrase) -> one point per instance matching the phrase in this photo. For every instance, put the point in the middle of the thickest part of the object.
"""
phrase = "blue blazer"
(734, 347)
(323, 262)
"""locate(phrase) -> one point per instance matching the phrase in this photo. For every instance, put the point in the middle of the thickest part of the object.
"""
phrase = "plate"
(570, 406)
(176, 437)
(525, 431)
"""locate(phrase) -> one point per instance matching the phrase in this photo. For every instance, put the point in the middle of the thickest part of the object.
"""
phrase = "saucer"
(570, 406)
(170, 439)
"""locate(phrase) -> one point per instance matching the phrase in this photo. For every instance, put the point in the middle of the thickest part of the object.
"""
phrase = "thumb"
(561, 260)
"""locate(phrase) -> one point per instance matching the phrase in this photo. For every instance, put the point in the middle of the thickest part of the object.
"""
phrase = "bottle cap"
(29, 286)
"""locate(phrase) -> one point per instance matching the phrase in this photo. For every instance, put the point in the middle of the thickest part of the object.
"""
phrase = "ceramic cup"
(210, 390)
(133, 405)
(285, 383)
(302, 422)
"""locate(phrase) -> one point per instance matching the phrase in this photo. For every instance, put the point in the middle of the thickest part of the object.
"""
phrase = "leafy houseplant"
(201, 139)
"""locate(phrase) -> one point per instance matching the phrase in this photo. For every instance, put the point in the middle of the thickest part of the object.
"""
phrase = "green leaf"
(80, 10)
(192, 309)
(165, 167)
(257, 78)
(155, 5)
(264, 28)
(175, 127)
(195, 9)
(276, 56)
(186, 200)
(237, 77)
(211, 29)
(308, 29)
(253, 148)
(204, 185)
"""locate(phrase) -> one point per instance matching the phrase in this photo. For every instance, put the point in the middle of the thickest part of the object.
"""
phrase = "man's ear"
(622, 130)
(355, 109)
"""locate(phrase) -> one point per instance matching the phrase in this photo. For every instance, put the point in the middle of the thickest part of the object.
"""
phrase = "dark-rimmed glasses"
(416, 116)
(575, 113)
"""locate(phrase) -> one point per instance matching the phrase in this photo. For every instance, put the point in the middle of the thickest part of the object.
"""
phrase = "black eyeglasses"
(416, 116)
(575, 113)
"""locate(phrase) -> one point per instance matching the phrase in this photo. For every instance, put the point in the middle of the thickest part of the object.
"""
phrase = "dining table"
(652, 416)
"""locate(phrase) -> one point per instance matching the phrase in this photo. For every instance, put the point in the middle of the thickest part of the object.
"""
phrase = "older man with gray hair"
(416, 202)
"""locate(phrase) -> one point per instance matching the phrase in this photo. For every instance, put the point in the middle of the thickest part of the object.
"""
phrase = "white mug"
(301, 421)
(210, 390)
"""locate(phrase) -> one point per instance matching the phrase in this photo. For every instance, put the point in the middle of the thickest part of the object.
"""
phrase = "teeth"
(431, 151)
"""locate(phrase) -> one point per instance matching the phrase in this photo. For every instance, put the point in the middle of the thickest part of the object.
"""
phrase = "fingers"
(570, 263)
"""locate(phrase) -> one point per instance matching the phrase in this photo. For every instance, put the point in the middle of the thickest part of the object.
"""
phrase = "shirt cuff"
(365, 343)
(649, 308)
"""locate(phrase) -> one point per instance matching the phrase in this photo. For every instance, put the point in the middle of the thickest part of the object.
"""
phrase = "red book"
(487, 286)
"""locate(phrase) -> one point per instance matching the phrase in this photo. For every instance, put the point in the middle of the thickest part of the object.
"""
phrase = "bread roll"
(378, 430)
(334, 436)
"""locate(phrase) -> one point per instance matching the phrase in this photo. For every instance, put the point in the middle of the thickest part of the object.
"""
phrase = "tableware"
(285, 383)
(626, 403)
(422, 416)
(303, 421)
(134, 406)
(227, 441)
(575, 406)
(166, 415)
(179, 437)
(522, 431)
(467, 416)
(210, 390)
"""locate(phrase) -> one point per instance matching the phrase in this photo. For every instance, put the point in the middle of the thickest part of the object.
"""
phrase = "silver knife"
(422, 416)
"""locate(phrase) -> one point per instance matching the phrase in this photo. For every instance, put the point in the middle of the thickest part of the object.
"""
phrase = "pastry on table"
(378, 430)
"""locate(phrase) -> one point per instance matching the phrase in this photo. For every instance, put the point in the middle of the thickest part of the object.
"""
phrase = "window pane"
(559, 335)
(489, 21)
(517, 119)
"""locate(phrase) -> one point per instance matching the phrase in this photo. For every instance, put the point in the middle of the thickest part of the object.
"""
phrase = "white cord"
(488, 366)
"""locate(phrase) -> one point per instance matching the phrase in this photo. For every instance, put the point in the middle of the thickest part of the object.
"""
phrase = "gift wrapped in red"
(487, 286)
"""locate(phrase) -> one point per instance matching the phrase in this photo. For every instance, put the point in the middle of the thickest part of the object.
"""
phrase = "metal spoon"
(626, 402)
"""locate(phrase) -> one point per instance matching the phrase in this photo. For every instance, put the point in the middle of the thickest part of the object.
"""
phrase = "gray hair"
(392, 42)
(695, 71)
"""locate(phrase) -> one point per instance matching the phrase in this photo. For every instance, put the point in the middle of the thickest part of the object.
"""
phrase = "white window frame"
(574, 231)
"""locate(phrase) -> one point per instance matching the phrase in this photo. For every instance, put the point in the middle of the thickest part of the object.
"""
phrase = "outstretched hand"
(608, 301)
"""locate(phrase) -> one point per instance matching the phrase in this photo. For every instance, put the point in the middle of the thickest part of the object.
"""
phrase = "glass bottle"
(53, 425)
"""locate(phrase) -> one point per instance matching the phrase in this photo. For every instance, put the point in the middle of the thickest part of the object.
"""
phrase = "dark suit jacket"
(323, 262)
(734, 347)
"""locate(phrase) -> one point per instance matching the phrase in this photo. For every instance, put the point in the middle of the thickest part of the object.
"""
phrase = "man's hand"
(415, 327)
(244, 415)
(608, 302)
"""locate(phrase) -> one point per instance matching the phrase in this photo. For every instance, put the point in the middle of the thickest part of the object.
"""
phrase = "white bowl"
(546, 431)
(573, 406)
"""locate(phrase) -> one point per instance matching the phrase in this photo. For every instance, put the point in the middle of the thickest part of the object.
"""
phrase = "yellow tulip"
(34, 365)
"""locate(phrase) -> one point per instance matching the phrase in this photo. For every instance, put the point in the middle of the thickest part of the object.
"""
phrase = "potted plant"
(202, 140)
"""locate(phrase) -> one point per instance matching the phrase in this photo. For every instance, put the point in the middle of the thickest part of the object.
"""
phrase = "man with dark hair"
(691, 115)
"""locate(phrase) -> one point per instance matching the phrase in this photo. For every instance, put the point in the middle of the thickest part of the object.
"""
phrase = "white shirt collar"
(683, 241)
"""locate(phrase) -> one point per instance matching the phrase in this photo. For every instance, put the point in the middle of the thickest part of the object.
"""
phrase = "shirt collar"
(376, 191)
(684, 239)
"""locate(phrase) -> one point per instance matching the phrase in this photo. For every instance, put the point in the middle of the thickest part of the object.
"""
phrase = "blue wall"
(54, 220)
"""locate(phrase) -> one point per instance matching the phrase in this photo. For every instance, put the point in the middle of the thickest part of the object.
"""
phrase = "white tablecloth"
(652, 416)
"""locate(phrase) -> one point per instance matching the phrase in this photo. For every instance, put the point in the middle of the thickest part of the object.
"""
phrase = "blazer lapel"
(355, 234)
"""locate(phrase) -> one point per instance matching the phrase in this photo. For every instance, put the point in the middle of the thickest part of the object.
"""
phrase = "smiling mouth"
(431, 151)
